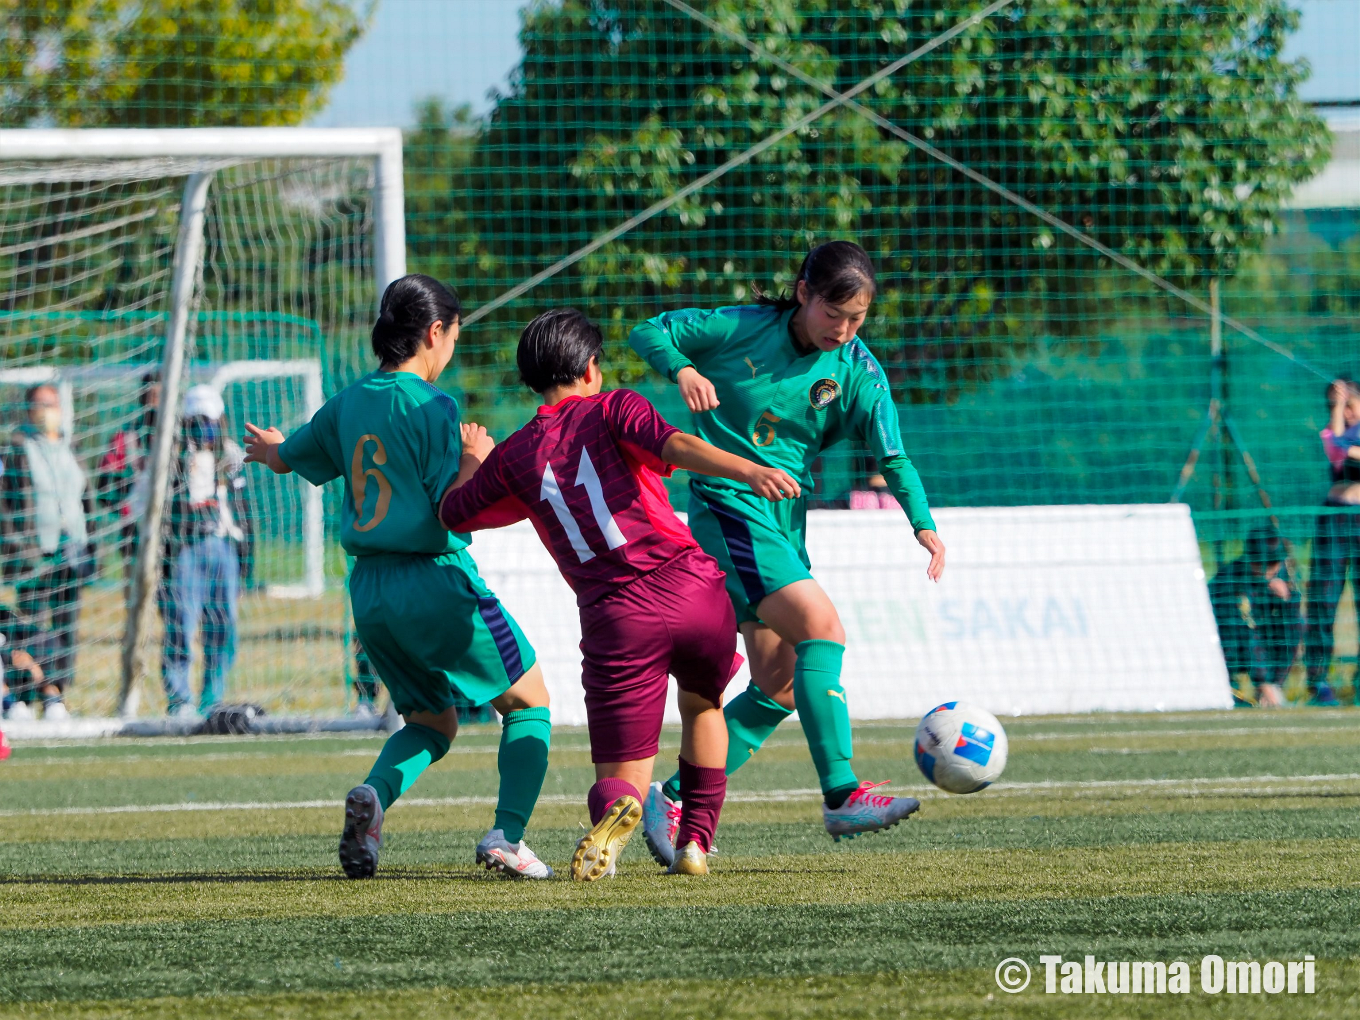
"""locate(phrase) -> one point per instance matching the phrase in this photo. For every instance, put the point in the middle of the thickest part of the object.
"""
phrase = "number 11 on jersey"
(587, 478)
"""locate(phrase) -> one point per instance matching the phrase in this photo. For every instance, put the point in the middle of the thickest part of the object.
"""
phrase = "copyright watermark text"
(1140, 977)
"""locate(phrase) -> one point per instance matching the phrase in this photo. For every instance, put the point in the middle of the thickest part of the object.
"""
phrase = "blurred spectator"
(4, 702)
(1336, 545)
(874, 496)
(365, 682)
(1258, 613)
(124, 482)
(24, 651)
(47, 550)
(205, 533)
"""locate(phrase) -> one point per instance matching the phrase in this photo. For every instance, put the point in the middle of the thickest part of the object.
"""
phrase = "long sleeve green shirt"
(779, 406)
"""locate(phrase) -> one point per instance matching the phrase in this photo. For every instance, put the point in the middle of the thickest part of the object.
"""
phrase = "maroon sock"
(702, 791)
(605, 792)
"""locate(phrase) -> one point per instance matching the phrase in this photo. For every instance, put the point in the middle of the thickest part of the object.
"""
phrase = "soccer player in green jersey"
(778, 382)
(429, 624)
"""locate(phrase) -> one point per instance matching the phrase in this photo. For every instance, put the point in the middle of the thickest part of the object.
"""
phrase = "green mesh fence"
(1030, 366)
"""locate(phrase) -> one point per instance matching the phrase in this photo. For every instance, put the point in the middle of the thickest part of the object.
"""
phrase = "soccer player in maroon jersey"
(586, 471)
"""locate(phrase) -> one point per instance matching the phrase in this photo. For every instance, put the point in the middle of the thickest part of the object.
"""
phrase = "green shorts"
(762, 546)
(430, 626)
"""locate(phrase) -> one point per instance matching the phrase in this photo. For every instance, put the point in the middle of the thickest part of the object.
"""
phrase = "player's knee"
(445, 723)
(825, 625)
(529, 691)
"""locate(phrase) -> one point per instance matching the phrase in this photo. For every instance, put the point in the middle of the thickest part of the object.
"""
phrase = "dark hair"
(556, 348)
(835, 271)
(410, 306)
(1264, 546)
(32, 391)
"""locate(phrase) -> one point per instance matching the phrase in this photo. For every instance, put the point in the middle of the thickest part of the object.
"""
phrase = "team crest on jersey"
(823, 392)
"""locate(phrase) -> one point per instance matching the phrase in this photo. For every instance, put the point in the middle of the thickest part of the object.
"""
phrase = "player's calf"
(703, 791)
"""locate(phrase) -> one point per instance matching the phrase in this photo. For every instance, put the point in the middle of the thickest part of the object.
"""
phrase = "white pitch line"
(1201, 784)
(667, 743)
(764, 796)
(1239, 731)
(125, 759)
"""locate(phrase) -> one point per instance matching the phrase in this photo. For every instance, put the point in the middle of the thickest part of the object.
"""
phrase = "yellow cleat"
(689, 860)
(599, 849)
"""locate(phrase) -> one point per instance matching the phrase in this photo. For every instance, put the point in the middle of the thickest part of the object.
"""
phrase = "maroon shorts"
(675, 621)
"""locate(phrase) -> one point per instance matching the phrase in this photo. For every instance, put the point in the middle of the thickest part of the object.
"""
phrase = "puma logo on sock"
(837, 694)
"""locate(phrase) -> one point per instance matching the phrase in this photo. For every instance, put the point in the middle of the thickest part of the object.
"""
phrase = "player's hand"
(259, 442)
(773, 484)
(698, 392)
(476, 442)
(1279, 588)
(1337, 392)
(931, 543)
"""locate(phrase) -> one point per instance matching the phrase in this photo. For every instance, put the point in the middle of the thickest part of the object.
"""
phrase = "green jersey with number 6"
(395, 440)
(427, 620)
(778, 405)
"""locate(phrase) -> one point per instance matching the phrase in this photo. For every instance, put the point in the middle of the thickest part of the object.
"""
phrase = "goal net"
(137, 267)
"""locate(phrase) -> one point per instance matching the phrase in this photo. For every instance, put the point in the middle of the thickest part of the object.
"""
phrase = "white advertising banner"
(1044, 609)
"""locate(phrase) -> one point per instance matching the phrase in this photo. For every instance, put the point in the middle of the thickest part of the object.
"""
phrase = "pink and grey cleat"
(660, 823)
(513, 860)
(363, 832)
(867, 812)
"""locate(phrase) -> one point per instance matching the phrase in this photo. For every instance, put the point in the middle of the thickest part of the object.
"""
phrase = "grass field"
(198, 878)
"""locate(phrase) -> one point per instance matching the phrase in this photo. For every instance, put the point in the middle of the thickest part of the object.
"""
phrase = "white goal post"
(75, 159)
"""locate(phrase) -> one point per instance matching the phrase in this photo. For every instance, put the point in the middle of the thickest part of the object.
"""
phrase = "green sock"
(523, 762)
(751, 717)
(825, 716)
(407, 753)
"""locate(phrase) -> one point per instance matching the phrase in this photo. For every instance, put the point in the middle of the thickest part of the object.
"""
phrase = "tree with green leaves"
(1170, 132)
(172, 63)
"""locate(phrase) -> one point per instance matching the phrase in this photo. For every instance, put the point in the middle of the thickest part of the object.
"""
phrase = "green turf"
(1132, 837)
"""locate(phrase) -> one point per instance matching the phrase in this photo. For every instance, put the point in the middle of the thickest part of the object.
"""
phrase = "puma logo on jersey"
(750, 364)
(837, 694)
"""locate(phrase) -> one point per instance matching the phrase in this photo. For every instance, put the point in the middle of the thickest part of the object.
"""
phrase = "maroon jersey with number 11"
(587, 472)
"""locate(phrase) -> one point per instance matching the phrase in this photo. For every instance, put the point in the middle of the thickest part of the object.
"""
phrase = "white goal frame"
(214, 148)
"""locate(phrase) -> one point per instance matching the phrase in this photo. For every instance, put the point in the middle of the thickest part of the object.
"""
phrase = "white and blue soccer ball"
(960, 748)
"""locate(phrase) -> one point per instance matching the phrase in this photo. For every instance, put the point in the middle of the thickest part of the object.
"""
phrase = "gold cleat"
(599, 849)
(689, 860)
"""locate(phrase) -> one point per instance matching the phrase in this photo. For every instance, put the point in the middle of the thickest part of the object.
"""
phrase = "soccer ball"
(960, 748)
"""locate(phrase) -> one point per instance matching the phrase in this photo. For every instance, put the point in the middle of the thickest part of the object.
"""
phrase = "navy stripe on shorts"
(740, 547)
(490, 608)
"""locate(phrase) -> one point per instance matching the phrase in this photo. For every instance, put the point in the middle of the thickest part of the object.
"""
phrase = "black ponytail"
(410, 306)
(835, 271)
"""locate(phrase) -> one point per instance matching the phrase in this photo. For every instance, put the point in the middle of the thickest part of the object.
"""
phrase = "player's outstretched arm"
(690, 453)
(262, 447)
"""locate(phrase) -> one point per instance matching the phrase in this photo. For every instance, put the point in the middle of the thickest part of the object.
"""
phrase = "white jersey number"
(604, 520)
